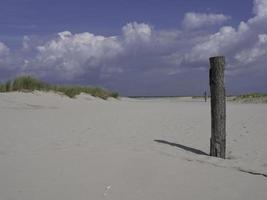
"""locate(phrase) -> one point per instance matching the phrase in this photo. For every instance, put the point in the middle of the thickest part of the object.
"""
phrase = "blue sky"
(41, 17)
(148, 47)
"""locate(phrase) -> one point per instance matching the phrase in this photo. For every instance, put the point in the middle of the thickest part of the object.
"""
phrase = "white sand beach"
(56, 148)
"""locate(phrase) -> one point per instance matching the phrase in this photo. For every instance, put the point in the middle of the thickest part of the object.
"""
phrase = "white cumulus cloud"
(260, 8)
(194, 20)
(254, 53)
(135, 32)
(4, 53)
(71, 54)
(4, 50)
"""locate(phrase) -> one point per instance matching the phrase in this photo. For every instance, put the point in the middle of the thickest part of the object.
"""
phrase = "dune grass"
(252, 98)
(252, 95)
(29, 83)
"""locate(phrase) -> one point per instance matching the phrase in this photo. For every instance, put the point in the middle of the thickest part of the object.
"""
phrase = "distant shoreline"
(245, 98)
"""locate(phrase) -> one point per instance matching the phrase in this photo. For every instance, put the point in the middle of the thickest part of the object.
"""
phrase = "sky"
(137, 47)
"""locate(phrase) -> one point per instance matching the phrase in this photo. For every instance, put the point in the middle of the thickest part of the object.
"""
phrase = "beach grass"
(30, 83)
(255, 97)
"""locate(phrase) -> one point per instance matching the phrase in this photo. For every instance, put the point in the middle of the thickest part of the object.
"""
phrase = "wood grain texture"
(218, 107)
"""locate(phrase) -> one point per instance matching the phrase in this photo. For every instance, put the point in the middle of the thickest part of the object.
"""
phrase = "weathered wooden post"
(218, 107)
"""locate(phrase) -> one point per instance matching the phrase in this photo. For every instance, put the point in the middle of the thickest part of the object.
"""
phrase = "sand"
(54, 147)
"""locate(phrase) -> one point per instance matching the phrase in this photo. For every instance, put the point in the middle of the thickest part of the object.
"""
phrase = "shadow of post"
(193, 150)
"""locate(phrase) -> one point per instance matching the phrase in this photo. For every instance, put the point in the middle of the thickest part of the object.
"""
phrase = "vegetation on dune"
(255, 97)
(72, 91)
(252, 97)
(29, 83)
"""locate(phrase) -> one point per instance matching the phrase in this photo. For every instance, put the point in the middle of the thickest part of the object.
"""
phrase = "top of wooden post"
(216, 58)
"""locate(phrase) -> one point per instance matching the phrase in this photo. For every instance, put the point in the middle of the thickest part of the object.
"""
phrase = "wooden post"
(205, 96)
(218, 107)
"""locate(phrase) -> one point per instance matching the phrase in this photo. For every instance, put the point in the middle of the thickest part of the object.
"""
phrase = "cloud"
(6, 62)
(260, 8)
(254, 53)
(215, 44)
(134, 32)
(73, 56)
(4, 50)
(244, 46)
(194, 20)
(70, 55)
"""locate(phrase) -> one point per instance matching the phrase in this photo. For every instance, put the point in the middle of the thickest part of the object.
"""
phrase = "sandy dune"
(56, 148)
